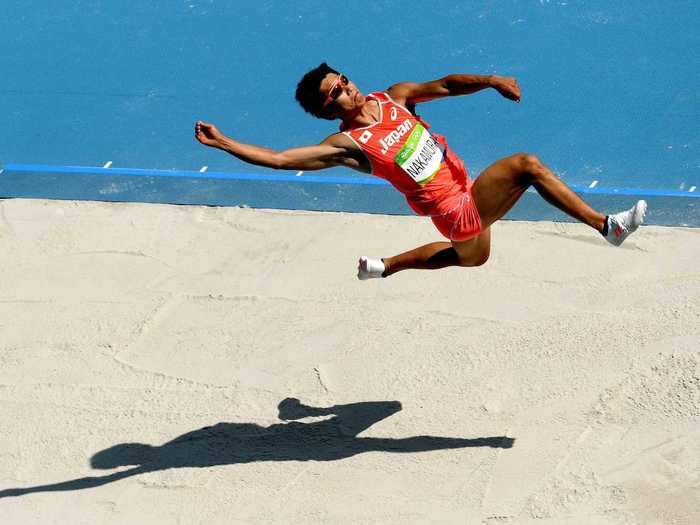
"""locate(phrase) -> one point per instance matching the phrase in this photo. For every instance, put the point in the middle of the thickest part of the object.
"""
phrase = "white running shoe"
(622, 224)
(369, 268)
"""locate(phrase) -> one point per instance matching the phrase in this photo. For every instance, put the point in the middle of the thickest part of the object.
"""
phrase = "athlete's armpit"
(406, 93)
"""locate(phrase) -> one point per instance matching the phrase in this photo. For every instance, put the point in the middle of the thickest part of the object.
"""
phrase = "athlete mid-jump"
(380, 134)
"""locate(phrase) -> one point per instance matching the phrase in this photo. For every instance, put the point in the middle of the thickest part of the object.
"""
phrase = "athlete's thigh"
(476, 251)
(498, 188)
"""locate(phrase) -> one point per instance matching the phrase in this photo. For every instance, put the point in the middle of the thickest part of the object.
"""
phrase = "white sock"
(370, 268)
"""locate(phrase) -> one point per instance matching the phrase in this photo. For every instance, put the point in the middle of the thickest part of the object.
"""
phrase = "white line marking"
(108, 164)
(299, 173)
(593, 184)
(692, 188)
(204, 168)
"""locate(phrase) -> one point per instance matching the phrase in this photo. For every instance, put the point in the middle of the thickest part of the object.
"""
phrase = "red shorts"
(462, 222)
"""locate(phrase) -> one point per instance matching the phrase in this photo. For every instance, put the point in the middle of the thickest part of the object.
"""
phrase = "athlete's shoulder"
(382, 96)
(398, 97)
(340, 140)
(399, 92)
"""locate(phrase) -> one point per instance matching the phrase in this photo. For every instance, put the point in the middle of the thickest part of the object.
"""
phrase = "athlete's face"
(340, 94)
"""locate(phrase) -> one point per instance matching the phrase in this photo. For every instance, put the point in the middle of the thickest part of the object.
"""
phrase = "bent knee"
(527, 168)
(478, 259)
(528, 163)
(483, 259)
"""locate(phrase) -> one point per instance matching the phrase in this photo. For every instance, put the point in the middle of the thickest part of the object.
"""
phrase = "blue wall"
(610, 89)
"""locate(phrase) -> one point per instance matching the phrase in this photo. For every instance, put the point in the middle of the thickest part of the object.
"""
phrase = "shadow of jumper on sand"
(230, 443)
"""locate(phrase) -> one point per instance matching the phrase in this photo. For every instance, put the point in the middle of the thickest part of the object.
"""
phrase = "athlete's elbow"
(451, 85)
(279, 161)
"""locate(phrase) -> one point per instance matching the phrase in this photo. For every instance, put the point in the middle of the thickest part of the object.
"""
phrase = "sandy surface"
(144, 351)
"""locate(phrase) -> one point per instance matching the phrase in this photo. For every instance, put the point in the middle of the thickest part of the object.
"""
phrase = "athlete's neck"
(365, 115)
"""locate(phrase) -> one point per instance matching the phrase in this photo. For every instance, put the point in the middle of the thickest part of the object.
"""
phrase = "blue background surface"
(610, 89)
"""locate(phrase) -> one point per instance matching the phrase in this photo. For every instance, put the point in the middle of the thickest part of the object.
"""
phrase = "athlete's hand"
(208, 134)
(508, 87)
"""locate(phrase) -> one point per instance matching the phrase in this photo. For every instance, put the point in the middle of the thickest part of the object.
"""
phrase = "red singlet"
(419, 164)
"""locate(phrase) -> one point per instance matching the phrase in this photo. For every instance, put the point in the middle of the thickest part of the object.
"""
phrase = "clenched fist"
(208, 134)
(508, 87)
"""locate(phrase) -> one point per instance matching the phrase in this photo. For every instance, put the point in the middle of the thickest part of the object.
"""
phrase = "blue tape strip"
(269, 177)
(275, 177)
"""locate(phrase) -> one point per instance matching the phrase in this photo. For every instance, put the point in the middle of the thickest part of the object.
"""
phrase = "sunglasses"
(336, 89)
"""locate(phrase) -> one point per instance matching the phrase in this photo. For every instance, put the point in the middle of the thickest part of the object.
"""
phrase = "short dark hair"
(309, 91)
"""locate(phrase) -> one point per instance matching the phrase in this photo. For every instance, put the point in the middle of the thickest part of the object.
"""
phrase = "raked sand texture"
(147, 353)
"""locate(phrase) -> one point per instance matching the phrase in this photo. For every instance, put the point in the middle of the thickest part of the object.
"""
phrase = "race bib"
(421, 156)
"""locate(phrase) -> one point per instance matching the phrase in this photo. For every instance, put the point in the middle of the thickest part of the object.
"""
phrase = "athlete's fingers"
(207, 128)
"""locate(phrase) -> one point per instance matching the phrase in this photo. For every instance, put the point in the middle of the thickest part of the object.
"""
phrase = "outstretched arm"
(353, 418)
(452, 85)
(335, 150)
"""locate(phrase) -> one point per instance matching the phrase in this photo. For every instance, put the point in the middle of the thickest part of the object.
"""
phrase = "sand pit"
(148, 352)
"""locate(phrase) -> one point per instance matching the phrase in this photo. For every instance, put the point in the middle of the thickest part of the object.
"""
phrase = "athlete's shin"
(431, 256)
(556, 192)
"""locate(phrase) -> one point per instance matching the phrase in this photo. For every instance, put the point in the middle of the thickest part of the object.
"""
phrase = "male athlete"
(380, 134)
